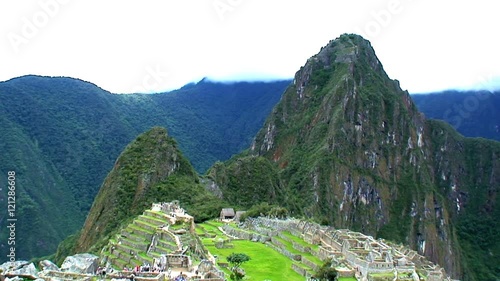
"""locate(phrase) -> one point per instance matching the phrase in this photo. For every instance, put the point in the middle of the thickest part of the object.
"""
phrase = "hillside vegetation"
(347, 147)
(472, 113)
(63, 135)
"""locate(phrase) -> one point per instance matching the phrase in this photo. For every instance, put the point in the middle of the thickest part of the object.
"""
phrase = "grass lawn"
(289, 247)
(265, 263)
(347, 279)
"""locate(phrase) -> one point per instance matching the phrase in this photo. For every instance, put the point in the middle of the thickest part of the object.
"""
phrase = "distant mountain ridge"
(63, 135)
(472, 113)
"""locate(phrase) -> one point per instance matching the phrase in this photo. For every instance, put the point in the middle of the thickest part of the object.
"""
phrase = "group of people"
(144, 268)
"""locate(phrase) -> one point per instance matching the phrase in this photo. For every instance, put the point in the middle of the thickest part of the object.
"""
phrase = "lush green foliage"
(236, 260)
(256, 174)
(45, 208)
(472, 113)
(264, 209)
(346, 146)
(62, 136)
(151, 169)
(326, 272)
(479, 236)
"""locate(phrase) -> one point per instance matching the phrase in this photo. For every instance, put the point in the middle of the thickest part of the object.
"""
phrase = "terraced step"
(109, 257)
(139, 231)
(126, 249)
(167, 236)
(123, 257)
(120, 263)
(153, 220)
(146, 226)
(167, 245)
(134, 244)
(133, 237)
(302, 269)
(163, 251)
(143, 258)
(134, 262)
(158, 215)
(154, 255)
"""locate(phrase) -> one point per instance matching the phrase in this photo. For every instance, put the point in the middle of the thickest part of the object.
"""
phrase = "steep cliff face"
(467, 175)
(148, 168)
(352, 150)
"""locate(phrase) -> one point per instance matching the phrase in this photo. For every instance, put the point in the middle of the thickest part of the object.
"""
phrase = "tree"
(236, 259)
(326, 272)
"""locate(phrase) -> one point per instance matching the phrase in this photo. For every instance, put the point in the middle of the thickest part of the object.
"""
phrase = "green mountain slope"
(472, 113)
(348, 147)
(45, 209)
(150, 169)
(74, 131)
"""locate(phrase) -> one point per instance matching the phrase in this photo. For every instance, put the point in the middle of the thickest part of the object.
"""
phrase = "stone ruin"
(354, 253)
(174, 213)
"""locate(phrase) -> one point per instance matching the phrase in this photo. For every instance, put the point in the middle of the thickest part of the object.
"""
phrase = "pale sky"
(128, 46)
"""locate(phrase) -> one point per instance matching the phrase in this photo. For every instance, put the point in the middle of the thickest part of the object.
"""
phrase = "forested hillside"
(62, 136)
(472, 113)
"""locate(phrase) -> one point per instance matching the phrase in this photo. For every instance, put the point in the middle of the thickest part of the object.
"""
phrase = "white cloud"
(116, 44)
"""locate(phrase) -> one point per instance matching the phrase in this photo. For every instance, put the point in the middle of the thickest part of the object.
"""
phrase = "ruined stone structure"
(160, 239)
(354, 253)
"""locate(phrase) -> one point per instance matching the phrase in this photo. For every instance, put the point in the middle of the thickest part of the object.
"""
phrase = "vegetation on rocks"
(151, 169)
(63, 135)
(347, 147)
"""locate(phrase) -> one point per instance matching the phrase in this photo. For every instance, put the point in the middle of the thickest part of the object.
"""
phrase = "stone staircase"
(147, 237)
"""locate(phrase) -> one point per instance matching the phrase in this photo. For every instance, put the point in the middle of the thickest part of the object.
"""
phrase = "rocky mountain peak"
(351, 150)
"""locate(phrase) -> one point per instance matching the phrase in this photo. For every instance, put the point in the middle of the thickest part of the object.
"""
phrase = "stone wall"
(284, 251)
(242, 234)
(299, 270)
(310, 264)
(301, 248)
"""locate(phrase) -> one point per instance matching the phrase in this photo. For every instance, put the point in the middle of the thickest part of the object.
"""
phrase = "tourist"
(180, 277)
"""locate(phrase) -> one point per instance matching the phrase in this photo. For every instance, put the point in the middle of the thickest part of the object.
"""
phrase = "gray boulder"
(81, 263)
(22, 268)
(15, 278)
(48, 265)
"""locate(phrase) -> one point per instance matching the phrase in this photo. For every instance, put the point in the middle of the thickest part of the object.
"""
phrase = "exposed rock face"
(19, 268)
(81, 263)
(352, 150)
(48, 265)
(15, 278)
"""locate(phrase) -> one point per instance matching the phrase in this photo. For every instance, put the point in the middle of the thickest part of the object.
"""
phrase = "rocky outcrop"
(81, 263)
(350, 149)
(24, 269)
(48, 265)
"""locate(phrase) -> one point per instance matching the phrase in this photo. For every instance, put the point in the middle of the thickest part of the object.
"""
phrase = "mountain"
(346, 146)
(150, 169)
(472, 113)
(42, 199)
(62, 136)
